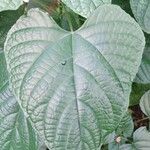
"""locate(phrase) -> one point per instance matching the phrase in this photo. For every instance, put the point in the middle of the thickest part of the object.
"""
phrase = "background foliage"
(102, 54)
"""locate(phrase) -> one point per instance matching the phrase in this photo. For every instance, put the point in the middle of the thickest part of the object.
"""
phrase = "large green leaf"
(10, 4)
(141, 11)
(145, 103)
(85, 7)
(143, 75)
(16, 132)
(7, 20)
(74, 86)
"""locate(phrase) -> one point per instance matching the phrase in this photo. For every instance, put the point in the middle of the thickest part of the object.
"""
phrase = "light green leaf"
(145, 103)
(141, 11)
(7, 20)
(143, 75)
(16, 132)
(10, 4)
(85, 7)
(74, 86)
(141, 141)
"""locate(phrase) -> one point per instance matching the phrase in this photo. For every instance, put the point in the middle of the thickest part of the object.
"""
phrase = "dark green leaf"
(137, 92)
(7, 20)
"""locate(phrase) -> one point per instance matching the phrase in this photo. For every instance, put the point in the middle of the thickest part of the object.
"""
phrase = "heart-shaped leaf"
(141, 11)
(74, 86)
(85, 8)
(10, 4)
(16, 132)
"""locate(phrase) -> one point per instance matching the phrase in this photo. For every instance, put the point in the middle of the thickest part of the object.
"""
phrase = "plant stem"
(143, 119)
(67, 17)
(69, 22)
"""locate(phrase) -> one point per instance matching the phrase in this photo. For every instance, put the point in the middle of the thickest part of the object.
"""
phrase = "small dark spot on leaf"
(64, 63)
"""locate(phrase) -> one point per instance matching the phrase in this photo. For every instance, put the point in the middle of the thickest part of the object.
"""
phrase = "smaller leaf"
(141, 140)
(145, 103)
(85, 7)
(141, 11)
(10, 4)
(143, 75)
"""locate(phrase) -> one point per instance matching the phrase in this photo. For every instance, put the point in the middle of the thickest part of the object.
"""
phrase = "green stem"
(69, 22)
(68, 17)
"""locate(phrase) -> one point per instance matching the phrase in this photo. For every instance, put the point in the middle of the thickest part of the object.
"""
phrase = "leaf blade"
(59, 89)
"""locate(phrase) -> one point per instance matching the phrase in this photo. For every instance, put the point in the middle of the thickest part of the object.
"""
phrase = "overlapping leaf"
(10, 4)
(141, 140)
(85, 8)
(143, 75)
(16, 132)
(74, 85)
(141, 11)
